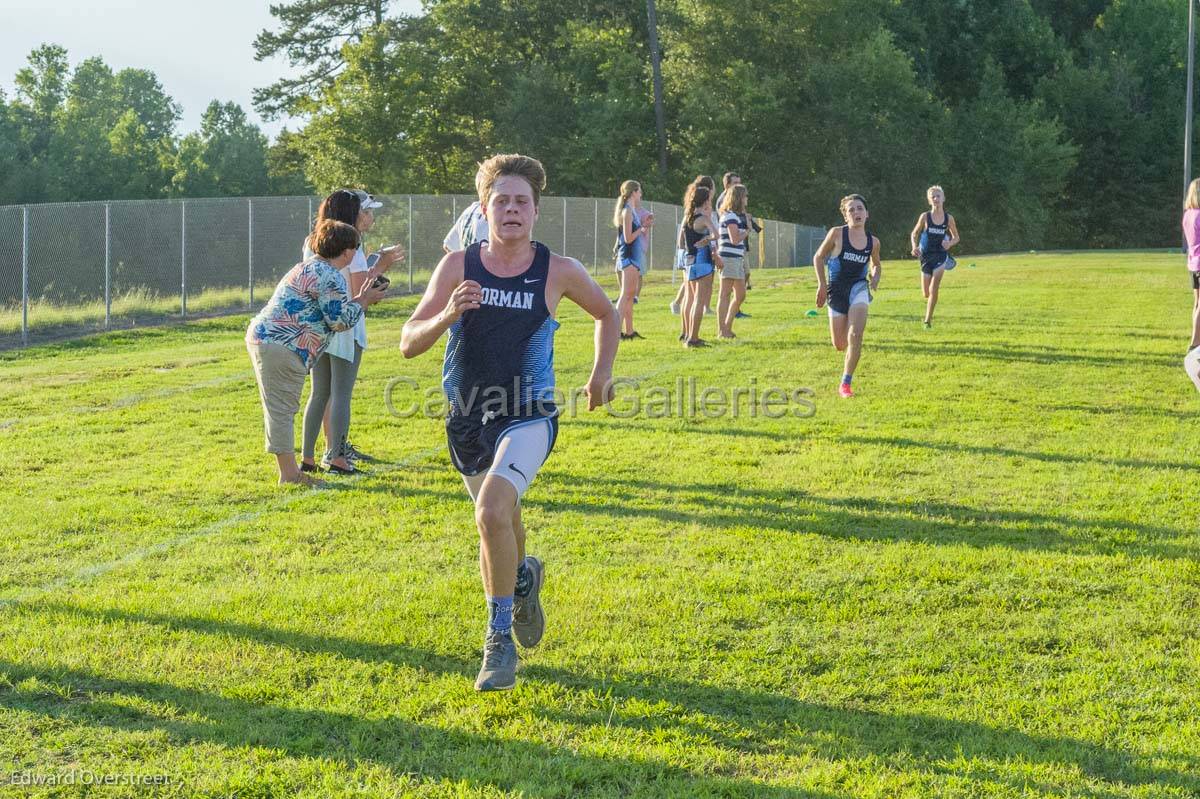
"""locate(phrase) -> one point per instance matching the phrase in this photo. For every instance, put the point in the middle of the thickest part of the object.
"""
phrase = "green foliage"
(285, 167)
(227, 157)
(1121, 102)
(1038, 117)
(311, 36)
(1008, 162)
(806, 100)
(89, 134)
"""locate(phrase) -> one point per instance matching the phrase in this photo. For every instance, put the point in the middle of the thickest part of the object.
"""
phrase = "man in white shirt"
(728, 180)
(469, 228)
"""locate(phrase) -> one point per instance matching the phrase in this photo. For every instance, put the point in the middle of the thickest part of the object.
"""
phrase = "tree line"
(89, 133)
(1050, 125)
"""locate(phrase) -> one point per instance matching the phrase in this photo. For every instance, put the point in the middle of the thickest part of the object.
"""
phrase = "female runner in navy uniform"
(931, 241)
(850, 251)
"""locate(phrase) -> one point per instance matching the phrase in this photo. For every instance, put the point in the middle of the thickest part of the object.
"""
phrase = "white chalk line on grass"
(89, 573)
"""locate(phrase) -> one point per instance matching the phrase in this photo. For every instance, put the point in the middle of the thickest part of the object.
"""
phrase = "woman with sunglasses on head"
(335, 372)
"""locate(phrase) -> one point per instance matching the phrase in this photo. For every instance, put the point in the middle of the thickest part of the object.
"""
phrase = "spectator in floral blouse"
(309, 305)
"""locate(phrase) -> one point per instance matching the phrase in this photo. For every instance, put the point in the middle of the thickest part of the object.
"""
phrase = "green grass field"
(978, 578)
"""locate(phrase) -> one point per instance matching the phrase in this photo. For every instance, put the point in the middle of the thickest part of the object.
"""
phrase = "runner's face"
(936, 197)
(510, 210)
(856, 214)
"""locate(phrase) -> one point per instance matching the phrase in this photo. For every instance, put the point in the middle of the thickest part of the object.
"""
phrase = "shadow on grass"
(720, 505)
(734, 719)
(1127, 410)
(1049, 356)
(679, 426)
(406, 749)
(1007, 452)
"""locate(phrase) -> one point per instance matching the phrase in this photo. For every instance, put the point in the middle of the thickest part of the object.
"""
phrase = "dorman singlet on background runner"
(932, 251)
(499, 365)
(847, 270)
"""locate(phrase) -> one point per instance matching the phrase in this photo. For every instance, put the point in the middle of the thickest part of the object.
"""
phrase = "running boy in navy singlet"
(497, 301)
(852, 256)
(932, 237)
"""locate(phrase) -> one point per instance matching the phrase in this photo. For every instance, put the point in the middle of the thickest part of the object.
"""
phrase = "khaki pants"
(280, 374)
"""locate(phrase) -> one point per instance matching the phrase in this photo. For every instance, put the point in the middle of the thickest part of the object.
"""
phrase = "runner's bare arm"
(580, 289)
(446, 298)
(823, 253)
(954, 238)
(876, 264)
(915, 236)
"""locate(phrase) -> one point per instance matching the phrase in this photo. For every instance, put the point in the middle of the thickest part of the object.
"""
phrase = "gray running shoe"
(353, 453)
(529, 622)
(499, 669)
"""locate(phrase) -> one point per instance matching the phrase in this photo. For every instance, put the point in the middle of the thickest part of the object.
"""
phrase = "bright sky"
(201, 50)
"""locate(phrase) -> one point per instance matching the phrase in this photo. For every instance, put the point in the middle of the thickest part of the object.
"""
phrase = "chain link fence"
(73, 268)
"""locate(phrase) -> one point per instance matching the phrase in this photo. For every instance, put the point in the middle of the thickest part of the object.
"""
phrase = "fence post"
(183, 257)
(309, 222)
(777, 227)
(250, 248)
(596, 238)
(564, 249)
(650, 245)
(675, 249)
(107, 267)
(24, 275)
(410, 246)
